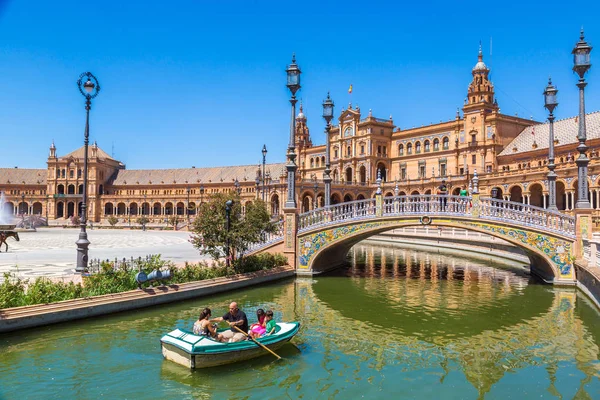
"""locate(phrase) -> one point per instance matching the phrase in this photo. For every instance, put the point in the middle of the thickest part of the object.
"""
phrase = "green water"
(396, 323)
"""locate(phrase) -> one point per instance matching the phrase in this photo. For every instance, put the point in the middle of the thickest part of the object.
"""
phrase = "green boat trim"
(197, 344)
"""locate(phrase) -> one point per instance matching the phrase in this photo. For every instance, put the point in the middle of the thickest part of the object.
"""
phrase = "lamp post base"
(82, 252)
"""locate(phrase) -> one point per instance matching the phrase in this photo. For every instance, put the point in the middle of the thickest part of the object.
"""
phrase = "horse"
(5, 235)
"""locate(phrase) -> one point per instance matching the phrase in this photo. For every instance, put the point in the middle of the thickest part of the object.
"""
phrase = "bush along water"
(116, 277)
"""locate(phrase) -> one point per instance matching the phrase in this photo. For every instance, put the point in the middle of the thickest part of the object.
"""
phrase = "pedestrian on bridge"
(443, 193)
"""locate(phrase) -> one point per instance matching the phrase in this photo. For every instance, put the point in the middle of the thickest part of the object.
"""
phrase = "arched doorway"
(363, 174)
(180, 208)
(275, 204)
(60, 210)
(133, 209)
(536, 195)
(169, 208)
(348, 198)
(71, 189)
(70, 209)
(80, 189)
(383, 171)
(516, 194)
(561, 198)
(360, 197)
(60, 189)
(335, 199)
(37, 208)
(121, 209)
(23, 208)
(349, 175)
(306, 200)
(108, 209)
(496, 193)
(157, 209)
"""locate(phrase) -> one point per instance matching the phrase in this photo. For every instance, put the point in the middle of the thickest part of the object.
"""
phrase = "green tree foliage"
(112, 220)
(142, 221)
(209, 228)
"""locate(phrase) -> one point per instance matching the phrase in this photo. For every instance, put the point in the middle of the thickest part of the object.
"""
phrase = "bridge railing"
(438, 205)
(525, 214)
(268, 238)
(354, 210)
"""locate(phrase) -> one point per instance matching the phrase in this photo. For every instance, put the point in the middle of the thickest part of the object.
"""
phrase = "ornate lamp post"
(144, 215)
(89, 90)
(187, 208)
(264, 153)
(238, 189)
(228, 206)
(328, 116)
(22, 209)
(257, 182)
(316, 187)
(293, 84)
(581, 60)
(550, 103)
(201, 194)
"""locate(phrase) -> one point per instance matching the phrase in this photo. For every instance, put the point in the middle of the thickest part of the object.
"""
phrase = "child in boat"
(258, 329)
(203, 327)
(270, 324)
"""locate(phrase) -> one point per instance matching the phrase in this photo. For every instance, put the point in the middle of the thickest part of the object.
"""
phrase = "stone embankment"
(12, 319)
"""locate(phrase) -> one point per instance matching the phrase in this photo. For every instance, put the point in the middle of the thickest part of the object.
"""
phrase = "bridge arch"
(325, 249)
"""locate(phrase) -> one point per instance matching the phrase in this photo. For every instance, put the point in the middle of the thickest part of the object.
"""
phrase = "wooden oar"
(260, 344)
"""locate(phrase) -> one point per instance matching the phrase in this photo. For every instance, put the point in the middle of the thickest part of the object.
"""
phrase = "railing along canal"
(268, 238)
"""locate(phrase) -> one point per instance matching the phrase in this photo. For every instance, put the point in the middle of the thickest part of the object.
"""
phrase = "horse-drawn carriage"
(7, 231)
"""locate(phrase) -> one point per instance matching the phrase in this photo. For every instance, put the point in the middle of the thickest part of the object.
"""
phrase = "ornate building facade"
(508, 153)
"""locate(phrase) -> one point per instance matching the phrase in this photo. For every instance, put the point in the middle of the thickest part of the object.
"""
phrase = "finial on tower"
(378, 181)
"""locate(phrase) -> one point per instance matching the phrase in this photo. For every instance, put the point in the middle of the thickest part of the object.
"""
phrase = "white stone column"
(544, 200)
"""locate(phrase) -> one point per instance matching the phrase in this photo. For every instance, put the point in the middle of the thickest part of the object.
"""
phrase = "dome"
(480, 66)
(300, 116)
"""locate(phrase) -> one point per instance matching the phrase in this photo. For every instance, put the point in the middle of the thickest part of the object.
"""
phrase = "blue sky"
(203, 82)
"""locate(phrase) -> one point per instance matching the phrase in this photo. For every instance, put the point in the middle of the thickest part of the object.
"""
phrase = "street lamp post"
(550, 103)
(23, 209)
(144, 217)
(328, 116)
(316, 187)
(293, 84)
(187, 208)
(581, 61)
(257, 182)
(264, 153)
(89, 89)
(201, 194)
(238, 189)
(228, 206)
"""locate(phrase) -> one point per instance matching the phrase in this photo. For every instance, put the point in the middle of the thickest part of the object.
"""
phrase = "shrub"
(12, 291)
(112, 220)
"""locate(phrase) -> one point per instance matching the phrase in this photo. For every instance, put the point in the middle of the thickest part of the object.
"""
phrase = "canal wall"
(588, 281)
(458, 240)
(12, 319)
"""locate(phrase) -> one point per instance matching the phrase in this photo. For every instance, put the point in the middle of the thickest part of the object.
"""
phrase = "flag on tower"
(350, 89)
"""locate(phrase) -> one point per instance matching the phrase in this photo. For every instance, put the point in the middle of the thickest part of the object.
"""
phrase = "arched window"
(349, 151)
(427, 145)
(436, 144)
(400, 149)
(312, 162)
(417, 147)
(409, 148)
(71, 174)
(446, 143)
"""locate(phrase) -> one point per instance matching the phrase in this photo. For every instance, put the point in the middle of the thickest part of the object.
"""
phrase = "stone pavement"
(52, 252)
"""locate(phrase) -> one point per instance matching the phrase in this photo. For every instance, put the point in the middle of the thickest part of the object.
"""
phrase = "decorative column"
(475, 195)
(583, 210)
(550, 103)
(290, 209)
(328, 116)
(378, 196)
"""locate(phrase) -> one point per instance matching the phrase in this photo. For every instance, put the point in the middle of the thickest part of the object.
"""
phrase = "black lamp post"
(201, 194)
(228, 206)
(581, 60)
(89, 89)
(187, 208)
(328, 116)
(316, 187)
(238, 189)
(293, 84)
(257, 182)
(264, 153)
(550, 103)
(144, 215)
(23, 209)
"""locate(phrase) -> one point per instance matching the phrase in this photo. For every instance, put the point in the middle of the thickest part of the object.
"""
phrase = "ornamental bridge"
(319, 240)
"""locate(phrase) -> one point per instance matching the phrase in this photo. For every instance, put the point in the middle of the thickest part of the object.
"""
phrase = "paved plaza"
(52, 251)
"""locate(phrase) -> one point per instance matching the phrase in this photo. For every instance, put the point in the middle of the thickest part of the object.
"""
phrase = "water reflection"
(394, 322)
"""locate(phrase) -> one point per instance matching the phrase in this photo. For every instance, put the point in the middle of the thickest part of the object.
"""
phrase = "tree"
(173, 220)
(112, 220)
(209, 228)
(143, 220)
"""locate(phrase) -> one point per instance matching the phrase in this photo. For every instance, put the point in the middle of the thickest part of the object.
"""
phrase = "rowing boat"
(197, 351)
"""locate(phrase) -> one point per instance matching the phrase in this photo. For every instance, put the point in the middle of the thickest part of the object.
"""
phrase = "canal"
(395, 322)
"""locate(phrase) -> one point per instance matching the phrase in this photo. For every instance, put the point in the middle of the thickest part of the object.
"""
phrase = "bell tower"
(481, 90)
(302, 134)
